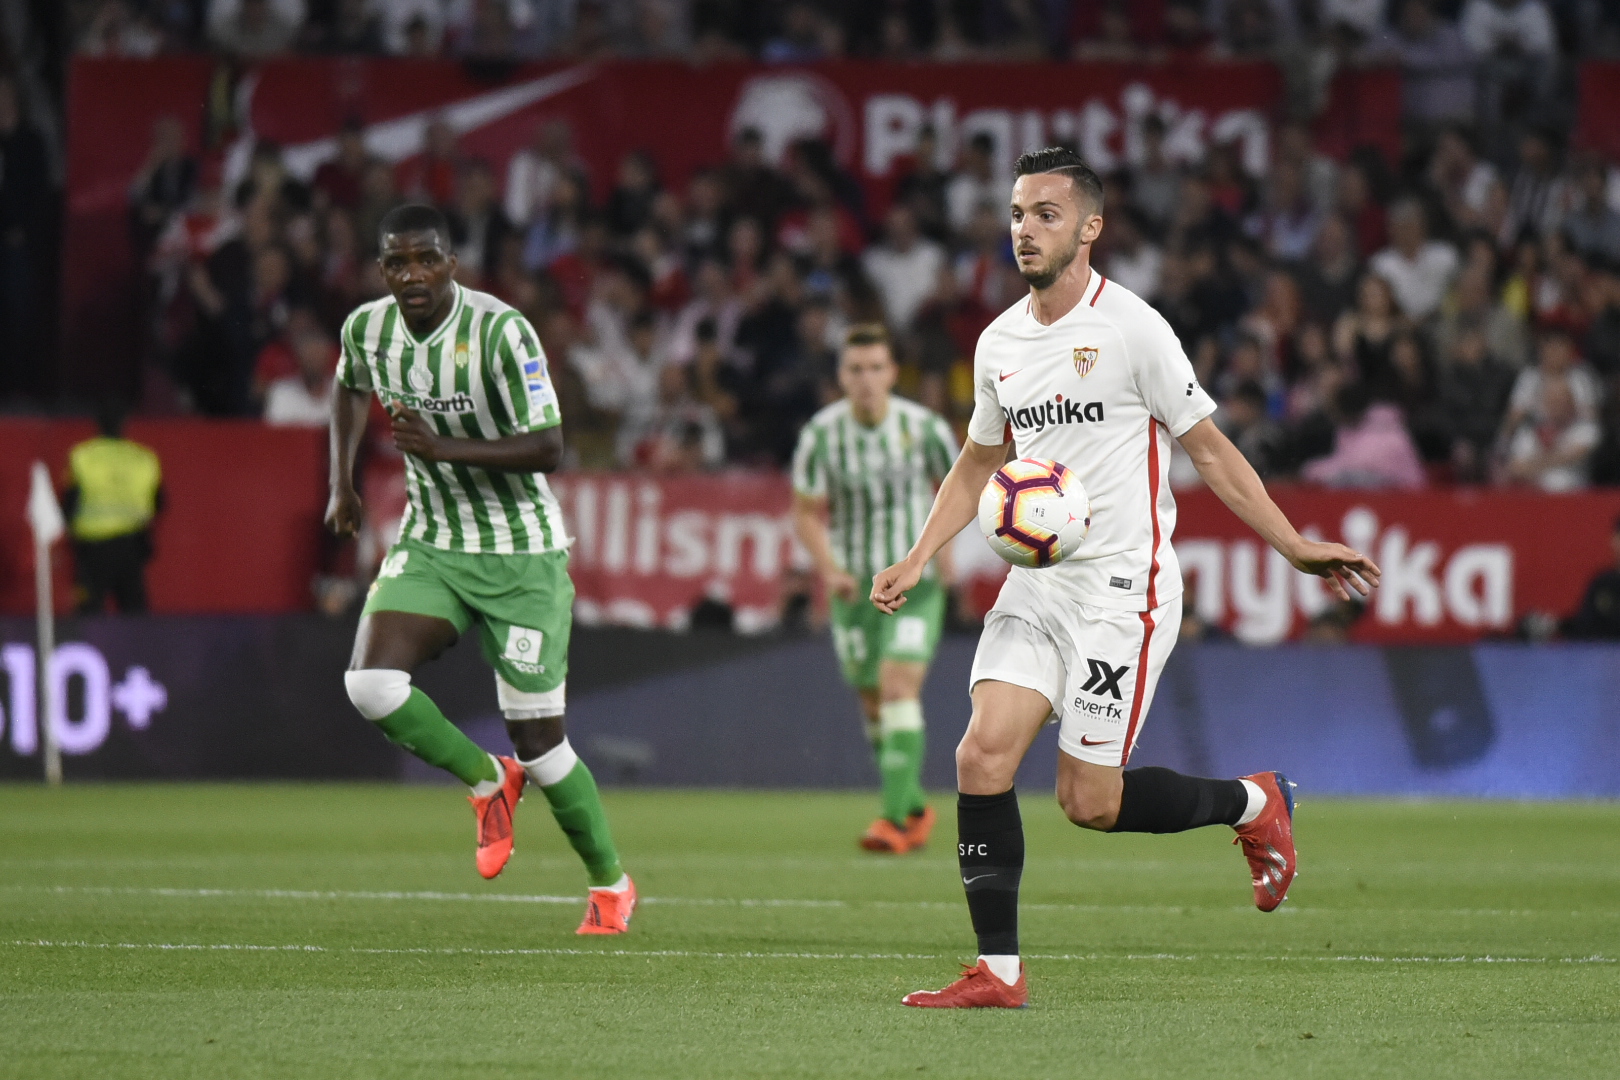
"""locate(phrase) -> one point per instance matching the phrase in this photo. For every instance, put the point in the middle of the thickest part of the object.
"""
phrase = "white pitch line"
(685, 901)
(750, 955)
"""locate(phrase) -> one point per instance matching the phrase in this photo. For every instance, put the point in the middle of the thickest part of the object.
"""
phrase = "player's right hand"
(889, 587)
(344, 513)
(840, 584)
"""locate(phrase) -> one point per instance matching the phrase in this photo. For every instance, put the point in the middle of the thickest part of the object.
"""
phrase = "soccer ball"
(1034, 512)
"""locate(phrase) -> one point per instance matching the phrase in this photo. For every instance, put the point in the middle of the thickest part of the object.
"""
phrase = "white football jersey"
(1102, 390)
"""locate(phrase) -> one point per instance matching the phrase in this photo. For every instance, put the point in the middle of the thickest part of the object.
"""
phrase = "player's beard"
(1044, 279)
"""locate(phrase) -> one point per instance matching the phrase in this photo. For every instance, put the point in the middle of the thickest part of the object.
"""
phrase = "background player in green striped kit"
(474, 413)
(864, 476)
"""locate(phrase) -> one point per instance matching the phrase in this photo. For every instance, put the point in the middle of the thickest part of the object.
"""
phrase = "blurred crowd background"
(1451, 316)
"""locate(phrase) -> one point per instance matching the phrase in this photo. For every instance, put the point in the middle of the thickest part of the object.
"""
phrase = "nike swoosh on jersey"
(1005, 375)
(1095, 742)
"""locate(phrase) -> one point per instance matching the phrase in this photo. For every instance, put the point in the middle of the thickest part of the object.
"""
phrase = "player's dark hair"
(414, 217)
(1060, 159)
(867, 334)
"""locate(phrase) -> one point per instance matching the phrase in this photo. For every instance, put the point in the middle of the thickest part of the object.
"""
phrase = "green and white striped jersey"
(879, 481)
(480, 375)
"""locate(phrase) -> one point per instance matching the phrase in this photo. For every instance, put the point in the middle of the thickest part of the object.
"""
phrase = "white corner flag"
(44, 513)
(45, 519)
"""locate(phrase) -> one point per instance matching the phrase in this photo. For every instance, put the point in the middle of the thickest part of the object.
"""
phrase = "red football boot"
(495, 819)
(885, 836)
(920, 826)
(1268, 841)
(978, 988)
(608, 912)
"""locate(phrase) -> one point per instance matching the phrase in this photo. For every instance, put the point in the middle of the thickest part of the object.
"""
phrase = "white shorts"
(1097, 666)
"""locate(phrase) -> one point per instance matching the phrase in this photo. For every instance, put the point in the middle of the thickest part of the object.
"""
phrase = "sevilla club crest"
(1084, 361)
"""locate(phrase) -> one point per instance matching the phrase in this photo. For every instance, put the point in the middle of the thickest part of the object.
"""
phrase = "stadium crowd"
(1451, 317)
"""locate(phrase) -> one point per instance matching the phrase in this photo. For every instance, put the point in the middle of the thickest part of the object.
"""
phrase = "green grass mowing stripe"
(750, 955)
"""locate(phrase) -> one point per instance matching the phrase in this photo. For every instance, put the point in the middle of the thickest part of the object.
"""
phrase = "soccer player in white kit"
(1085, 373)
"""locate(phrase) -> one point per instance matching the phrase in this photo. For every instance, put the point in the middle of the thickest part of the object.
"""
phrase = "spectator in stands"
(1419, 270)
(1155, 183)
(629, 206)
(923, 186)
(1469, 308)
(254, 29)
(1131, 259)
(1592, 226)
(1473, 392)
(1598, 617)
(1556, 360)
(1553, 444)
(163, 186)
(1286, 223)
(534, 172)
(1536, 196)
(114, 491)
(974, 184)
(1437, 66)
(411, 27)
(904, 267)
(431, 177)
(803, 36)
(478, 227)
(304, 398)
(1327, 279)
(1516, 45)
(1372, 448)
(340, 181)
(119, 28)
(1243, 418)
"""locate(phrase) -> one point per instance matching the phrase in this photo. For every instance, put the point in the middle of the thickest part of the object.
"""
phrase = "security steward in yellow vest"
(115, 489)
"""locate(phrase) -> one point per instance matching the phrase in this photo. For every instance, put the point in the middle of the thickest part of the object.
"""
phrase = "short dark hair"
(1060, 159)
(867, 334)
(414, 217)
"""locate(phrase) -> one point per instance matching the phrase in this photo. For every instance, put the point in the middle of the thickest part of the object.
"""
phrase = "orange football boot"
(608, 912)
(495, 819)
(1268, 841)
(920, 826)
(884, 835)
(978, 988)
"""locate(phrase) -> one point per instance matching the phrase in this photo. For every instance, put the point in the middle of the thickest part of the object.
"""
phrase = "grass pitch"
(341, 931)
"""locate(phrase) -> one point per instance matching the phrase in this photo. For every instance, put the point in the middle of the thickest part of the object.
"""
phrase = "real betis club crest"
(1084, 361)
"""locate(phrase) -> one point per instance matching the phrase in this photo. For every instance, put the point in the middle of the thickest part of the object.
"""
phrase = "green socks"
(571, 790)
(421, 728)
(900, 758)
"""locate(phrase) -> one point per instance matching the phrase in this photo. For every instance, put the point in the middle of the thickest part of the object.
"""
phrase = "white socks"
(553, 766)
(485, 788)
(1004, 968)
(1257, 802)
(618, 886)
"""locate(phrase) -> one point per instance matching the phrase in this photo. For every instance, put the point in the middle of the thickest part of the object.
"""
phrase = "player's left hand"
(1343, 568)
(413, 434)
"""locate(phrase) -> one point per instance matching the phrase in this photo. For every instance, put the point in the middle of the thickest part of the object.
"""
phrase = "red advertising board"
(869, 113)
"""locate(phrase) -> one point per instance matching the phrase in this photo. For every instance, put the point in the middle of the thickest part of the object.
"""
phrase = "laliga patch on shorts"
(1119, 583)
(523, 649)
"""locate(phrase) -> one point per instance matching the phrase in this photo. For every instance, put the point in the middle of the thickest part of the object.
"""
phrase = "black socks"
(990, 850)
(1164, 801)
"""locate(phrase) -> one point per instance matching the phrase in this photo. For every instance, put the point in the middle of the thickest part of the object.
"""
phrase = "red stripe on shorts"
(1141, 686)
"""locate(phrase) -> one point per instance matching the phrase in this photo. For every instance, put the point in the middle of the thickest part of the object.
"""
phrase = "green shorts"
(523, 604)
(864, 637)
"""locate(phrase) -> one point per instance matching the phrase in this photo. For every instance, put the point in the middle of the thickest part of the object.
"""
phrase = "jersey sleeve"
(988, 427)
(352, 371)
(810, 462)
(525, 379)
(1164, 375)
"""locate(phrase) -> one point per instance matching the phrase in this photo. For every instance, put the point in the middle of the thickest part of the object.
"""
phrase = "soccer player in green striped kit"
(482, 541)
(864, 476)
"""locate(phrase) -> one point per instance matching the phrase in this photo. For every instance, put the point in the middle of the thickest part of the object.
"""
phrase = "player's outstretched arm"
(349, 410)
(530, 451)
(1229, 475)
(956, 504)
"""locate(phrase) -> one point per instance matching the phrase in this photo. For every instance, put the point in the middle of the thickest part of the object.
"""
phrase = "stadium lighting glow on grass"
(340, 931)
